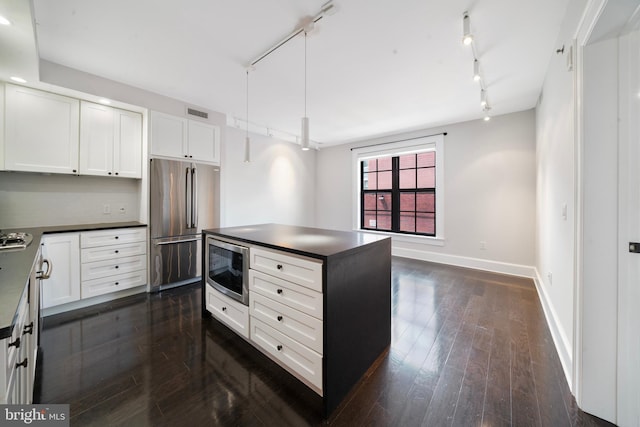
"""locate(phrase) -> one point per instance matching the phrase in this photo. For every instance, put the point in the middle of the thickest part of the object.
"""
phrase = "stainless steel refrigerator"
(184, 200)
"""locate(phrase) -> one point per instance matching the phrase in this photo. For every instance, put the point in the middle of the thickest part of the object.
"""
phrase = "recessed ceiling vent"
(197, 113)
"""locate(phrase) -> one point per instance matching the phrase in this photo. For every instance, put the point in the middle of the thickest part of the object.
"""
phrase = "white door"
(168, 135)
(63, 252)
(204, 142)
(96, 139)
(41, 131)
(127, 149)
(629, 223)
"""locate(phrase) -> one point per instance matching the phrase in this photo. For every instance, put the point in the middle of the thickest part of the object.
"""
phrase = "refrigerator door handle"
(187, 203)
(171, 242)
(194, 198)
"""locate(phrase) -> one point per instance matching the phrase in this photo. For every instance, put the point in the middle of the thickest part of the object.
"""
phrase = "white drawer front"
(300, 359)
(305, 272)
(230, 312)
(106, 285)
(111, 267)
(90, 239)
(101, 253)
(13, 346)
(288, 293)
(301, 327)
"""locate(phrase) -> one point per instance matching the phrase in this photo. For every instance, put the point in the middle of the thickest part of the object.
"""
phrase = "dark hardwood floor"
(469, 348)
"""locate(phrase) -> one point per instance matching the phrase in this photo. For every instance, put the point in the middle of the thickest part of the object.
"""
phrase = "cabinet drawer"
(106, 285)
(111, 267)
(302, 271)
(90, 239)
(101, 253)
(231, 313)
(17, 341)
(301, 327)
(288, 293)
(297, 357)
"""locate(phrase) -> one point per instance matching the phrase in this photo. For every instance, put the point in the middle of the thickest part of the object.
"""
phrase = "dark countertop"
(307, 241)
(16, 265)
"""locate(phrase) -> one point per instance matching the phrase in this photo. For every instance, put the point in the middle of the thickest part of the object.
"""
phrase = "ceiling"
(373, 67)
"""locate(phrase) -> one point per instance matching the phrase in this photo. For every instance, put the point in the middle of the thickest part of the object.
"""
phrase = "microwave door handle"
(194, 198)
(186, 198)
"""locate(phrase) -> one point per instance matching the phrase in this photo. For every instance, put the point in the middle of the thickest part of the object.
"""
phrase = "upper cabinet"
(180, 138)
(41, 131)
(110, 141)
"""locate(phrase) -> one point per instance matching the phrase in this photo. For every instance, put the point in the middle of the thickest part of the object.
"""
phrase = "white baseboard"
(468, 262)
(560, 340)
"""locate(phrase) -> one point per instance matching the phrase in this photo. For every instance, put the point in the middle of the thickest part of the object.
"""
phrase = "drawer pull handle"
(224, 308)
(28, 329)
(24, 363)
(117, 266)
(279, 291)
(117, 283)
(117, 251)
(279, 347)
(279, 318)
(117, 237)
(16, 343)
(279, 266)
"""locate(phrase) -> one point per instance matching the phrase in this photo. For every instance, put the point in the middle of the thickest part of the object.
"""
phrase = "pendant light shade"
(304, 142)
(476, 70)
(467, 38)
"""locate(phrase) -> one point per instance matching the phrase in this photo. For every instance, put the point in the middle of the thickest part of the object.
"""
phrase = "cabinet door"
(41, 131)
(63, 252)
(168, 135)
(127, 148)
(96, 139)
(204, 142)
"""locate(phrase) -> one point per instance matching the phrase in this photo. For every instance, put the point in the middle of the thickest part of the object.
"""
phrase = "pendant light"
(247, 141)
(476, 70)
(305, 120)
(467, 38)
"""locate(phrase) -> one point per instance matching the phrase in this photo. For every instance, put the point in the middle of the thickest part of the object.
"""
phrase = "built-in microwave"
(227, 268)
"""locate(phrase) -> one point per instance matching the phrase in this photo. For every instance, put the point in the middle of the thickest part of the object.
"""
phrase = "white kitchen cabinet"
(285, 311)
(63, 286)
(112, 260)
(184, 139)
(41, 131)
(110, 141)
(230, 312)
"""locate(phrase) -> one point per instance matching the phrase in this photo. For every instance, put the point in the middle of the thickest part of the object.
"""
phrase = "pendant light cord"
(305, 74)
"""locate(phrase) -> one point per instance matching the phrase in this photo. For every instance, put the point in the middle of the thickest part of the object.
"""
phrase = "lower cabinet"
(93, 263)
(232, 313)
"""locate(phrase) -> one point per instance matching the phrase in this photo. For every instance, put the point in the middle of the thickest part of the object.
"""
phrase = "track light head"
(467, 38)
(476, 70)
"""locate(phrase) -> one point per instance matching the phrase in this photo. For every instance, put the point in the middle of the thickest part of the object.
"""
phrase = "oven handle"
(170, 242)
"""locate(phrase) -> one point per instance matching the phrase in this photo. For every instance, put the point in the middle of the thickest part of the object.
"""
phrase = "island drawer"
(111, 267)
(295, 356)
(288, 293)
(302, 271)
(89, 239)
(232, 313)
(102, 253)
(301, 327)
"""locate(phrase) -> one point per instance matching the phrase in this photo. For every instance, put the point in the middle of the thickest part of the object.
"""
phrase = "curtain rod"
(399, 140)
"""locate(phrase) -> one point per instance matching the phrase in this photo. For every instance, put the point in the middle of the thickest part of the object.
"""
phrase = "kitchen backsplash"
(31, 200)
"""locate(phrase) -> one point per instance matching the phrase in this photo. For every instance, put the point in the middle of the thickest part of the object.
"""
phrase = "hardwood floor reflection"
(468, 348)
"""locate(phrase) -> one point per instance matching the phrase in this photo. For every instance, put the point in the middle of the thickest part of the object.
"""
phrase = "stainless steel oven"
(227, 268)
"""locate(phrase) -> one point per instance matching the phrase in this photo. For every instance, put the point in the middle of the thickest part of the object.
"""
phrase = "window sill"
(425, 240)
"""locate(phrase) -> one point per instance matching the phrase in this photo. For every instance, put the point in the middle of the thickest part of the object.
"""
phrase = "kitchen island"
(327, 331)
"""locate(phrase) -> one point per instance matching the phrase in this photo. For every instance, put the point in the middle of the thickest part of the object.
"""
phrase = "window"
(399, 187)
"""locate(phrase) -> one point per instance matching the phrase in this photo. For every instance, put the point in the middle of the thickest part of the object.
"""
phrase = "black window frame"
(396, 191)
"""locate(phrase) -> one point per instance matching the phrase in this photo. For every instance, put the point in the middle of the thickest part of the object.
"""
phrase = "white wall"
(489, 194)
(32, 199)
(556, 188)
(277, 186)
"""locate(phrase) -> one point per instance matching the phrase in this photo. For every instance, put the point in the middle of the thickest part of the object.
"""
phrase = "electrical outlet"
(483, 245)
(550, 277)
(122, 209)
(106, 209)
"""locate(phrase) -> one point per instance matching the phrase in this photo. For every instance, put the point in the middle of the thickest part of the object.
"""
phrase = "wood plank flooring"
(469, 348)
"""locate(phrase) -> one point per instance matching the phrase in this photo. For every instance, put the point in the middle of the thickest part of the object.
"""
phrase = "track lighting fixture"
(476, 70)
(467, 38)
(483, 98)
(304, 135)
